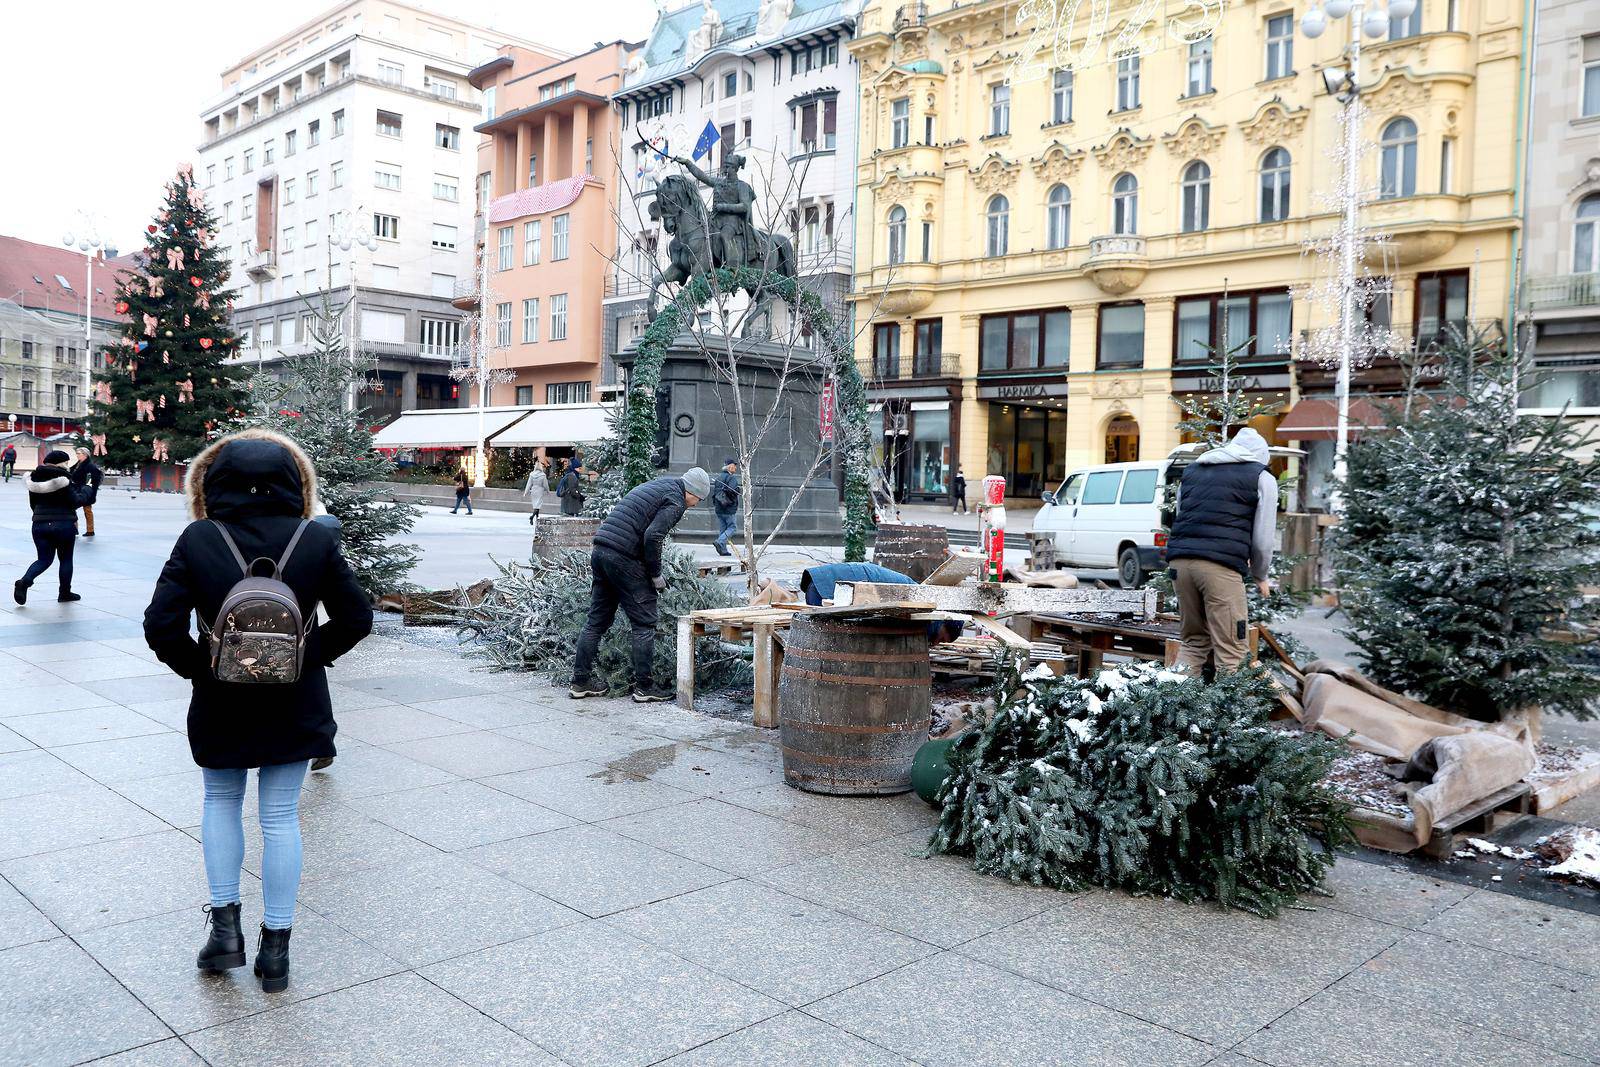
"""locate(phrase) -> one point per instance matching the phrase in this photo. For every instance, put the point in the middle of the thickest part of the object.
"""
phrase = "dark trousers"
(463, 496)
(6, 468)
(53, 541)
(618, 581)
(958, 498)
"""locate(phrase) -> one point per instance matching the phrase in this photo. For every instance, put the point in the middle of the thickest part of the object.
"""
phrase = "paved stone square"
(495, 874)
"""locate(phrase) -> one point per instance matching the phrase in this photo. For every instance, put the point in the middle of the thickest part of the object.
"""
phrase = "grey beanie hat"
(697, 482)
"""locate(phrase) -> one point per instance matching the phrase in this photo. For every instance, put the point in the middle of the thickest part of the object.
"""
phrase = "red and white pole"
(992, 527)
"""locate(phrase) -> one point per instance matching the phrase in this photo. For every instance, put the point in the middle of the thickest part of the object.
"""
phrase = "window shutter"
(808, 124)
(830, 116)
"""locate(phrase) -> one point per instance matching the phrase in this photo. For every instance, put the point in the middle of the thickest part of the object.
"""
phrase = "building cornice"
(332, 87)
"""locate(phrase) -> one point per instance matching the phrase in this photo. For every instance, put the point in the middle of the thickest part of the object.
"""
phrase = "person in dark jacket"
(570, 486)
(1223, 533)
(55, 498)
(627, 572)
(87, 470)
(260, 486)
(958, 492)
(463, 491)
(8, 460)
(725, 503)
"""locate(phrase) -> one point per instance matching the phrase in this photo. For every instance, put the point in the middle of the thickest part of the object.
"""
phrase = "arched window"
(998, 216)
(1058, 216)
(897, 235)
(1125, 204)
(1398, 174)
(1275, 185)
(1586, 236)
(1196, 197)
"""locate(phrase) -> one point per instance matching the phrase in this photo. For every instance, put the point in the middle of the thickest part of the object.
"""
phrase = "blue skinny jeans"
(222, 837)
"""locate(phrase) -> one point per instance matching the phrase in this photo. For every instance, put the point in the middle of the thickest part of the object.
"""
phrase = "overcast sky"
(100, 99)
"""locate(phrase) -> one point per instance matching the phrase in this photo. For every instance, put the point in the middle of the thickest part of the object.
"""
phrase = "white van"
(1109, 516)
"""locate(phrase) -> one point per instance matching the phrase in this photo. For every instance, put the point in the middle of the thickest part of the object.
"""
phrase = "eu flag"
(708, 137)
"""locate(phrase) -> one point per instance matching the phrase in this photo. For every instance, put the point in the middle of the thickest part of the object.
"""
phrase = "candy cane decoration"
(133, 369)
(166, 357)
(161, 402)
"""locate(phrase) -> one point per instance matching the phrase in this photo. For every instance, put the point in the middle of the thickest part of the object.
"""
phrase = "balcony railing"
(1116, 245)
(909, 366)
(1553, 291)
(910, 15)
(1429, 338)
(626, 283)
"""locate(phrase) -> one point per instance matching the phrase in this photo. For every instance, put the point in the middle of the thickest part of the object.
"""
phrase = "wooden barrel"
(853, 702)
(912, 550)
(563, 533)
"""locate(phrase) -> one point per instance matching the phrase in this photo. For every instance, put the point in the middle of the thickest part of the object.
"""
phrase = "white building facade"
(775, 81)
(356, 121)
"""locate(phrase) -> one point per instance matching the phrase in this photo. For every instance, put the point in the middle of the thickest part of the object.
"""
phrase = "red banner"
(826, 411)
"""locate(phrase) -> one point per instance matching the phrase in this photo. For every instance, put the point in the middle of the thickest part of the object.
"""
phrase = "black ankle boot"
(272, 960)
(224, 949)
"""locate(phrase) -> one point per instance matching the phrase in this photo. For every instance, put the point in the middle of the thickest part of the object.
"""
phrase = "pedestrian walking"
(87, 470)
(570, 487)
(55, 497)
(627, 571)
(252, 496)
(8, 460)
(958, 492)
(1227, 514)
(725, 504)
(536, 489)
(463, 491)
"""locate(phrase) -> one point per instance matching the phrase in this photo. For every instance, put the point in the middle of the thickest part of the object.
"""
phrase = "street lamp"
(349, 234)
(87, 241)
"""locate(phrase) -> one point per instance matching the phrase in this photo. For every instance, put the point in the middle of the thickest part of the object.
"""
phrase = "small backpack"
(259, 635)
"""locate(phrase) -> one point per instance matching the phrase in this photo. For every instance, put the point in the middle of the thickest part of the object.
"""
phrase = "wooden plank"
(1007, 636)
(1272, 642)
(892, 610)
(1005, 598)
(686, 628)
(766, 694)
(961, 564)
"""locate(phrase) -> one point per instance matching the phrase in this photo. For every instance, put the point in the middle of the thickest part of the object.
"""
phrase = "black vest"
(1216, 514)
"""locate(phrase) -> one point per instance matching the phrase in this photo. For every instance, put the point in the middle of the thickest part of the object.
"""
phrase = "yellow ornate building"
(1041, 253)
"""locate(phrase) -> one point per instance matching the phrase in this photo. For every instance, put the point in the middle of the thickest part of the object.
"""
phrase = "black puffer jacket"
(641, 520)
(55, 496)
(260, 485)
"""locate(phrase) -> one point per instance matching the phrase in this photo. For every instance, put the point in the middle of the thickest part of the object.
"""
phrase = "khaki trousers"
(88, 519)
(1211, 607)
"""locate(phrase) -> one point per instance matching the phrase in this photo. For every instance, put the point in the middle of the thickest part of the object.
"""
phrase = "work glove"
(659, 582)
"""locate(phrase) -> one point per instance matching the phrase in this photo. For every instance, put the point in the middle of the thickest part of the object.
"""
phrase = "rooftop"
(50, 277)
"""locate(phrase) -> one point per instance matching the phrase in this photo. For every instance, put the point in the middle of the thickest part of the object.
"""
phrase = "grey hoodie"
(1248, 446)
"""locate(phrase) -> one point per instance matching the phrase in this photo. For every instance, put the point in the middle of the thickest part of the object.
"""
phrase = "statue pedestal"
(696, 423)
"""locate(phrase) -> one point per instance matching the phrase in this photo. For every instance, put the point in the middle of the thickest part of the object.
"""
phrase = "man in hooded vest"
(1222, 537)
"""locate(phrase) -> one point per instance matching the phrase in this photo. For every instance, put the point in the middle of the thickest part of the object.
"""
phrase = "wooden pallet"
(1093, 639)
(1483, 817)
(761, 626)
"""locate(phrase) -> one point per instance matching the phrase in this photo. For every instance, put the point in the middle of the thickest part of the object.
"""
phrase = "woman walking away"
(55, 497)
(536, 490)
(252, 496)
(463, 491)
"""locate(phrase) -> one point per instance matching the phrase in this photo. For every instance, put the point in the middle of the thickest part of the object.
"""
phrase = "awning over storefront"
(1317, 419)
(445, 427)
(556, 426)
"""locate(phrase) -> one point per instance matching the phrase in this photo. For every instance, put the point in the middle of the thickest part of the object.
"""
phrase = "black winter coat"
(55, 496)
(88, 471)
(260, 486)
(725, 492)
(641, 520)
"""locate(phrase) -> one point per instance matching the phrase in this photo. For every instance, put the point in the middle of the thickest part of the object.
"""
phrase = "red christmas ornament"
(205, 342)
(194, 281)
(122, 307)
(151, 228)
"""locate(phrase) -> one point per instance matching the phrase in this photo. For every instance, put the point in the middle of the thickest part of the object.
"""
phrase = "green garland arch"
(639, 421)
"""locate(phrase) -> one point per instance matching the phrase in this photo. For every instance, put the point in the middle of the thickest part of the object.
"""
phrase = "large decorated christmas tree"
(165, 388)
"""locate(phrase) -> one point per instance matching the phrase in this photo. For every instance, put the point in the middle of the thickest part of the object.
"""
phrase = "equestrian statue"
(725, 236)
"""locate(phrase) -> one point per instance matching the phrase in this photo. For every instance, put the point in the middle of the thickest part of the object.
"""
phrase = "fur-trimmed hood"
(252, 472)
(48, 479)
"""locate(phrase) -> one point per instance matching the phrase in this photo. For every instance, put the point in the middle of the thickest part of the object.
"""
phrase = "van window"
(1139, 487)
(1070, 490)
(1101, 488)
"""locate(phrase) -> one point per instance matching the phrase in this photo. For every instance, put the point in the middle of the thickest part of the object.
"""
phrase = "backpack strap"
(283, 560)
(228, 540)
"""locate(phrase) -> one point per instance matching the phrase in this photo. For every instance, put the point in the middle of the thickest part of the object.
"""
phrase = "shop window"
(1122, 446)
(1121, 336)
(1250, 324)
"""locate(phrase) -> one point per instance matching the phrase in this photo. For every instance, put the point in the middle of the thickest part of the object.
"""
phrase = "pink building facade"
(546, 161)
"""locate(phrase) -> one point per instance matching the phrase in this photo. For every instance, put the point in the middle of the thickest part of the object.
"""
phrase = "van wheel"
(1129, 574)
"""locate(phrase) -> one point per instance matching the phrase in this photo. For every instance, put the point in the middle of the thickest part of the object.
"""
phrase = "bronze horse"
(700, 244)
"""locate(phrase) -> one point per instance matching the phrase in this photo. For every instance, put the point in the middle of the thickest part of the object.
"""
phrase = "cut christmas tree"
(1467, 541)
(165, 388)
(314, 397)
